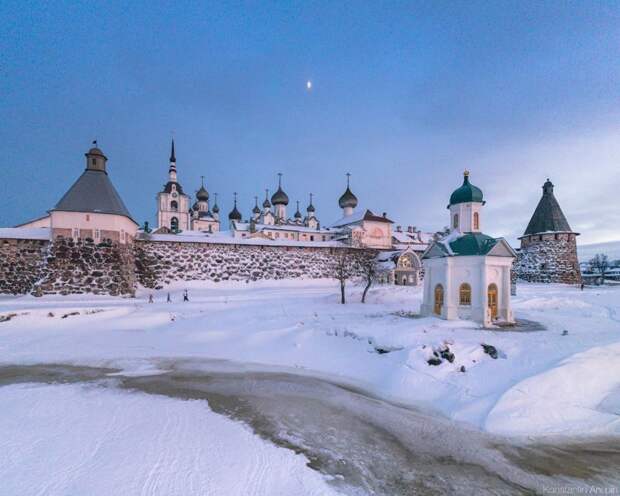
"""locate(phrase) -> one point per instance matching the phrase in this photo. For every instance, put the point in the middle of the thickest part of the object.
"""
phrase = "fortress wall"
(159, 263)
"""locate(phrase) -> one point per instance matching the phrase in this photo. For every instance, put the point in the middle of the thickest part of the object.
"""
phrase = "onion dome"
(279, 197)
(202, 194)
(298, 213)
(256, 210)
(234, 213)
(216, 209)
(466, 193)
(348, 199)
(310, 208)
(266, 203)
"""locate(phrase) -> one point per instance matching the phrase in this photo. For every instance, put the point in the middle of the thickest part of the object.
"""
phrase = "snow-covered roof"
(358, 217)
(284, 227)
(25, 232)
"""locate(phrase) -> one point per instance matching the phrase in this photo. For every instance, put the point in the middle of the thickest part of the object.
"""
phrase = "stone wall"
(21, 264)
(159, 263)
(85, 267)
(549, 260)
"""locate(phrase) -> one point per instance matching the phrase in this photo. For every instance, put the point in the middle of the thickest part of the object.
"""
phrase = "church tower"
(548, 245)
(173, 210)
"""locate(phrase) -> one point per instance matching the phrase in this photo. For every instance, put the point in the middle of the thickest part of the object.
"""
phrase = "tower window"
(93, 161)
(455, 221)
(174, 206)
(476, 221)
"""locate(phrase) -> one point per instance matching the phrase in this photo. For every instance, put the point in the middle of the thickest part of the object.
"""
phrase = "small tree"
(343, 272)
(600, 264)
(369, 272)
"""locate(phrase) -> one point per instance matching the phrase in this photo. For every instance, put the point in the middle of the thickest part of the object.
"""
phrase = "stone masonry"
(65, 267)
(549, 258)
(21, 264)
(159, 263)
(85, 267)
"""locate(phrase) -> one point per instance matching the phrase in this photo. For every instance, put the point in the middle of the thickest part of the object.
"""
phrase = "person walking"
(151, 298)
(185, 296)
(168, 299)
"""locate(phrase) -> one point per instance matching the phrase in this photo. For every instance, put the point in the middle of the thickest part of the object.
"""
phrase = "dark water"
(364, 444)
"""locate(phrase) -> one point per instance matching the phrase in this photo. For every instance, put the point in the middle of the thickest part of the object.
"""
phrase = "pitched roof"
(548, 216)
(461, 245)
(357, 217)
(93, 192)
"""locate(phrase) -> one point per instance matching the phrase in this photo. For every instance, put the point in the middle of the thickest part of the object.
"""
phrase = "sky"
(405, 96)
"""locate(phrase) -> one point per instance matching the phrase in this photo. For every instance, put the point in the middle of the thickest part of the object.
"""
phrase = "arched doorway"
(492, 300)
(438, 299)
(174, 224)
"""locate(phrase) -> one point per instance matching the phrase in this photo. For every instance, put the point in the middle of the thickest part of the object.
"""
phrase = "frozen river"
(360, 443)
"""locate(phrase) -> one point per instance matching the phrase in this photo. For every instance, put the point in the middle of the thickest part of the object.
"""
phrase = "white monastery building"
(467, 273)
(90, 209)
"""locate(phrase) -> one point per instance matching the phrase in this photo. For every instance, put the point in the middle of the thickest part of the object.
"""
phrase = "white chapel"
(467, 273)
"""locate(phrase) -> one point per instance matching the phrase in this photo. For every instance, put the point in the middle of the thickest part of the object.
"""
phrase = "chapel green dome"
(466, 193)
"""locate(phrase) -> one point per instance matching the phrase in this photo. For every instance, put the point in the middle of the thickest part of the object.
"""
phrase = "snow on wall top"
(25, 232)
(229, 240)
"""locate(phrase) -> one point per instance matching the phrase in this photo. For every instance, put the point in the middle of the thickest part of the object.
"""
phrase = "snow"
(25, 232)
(72, 439)
(226, 239)
(544, 382)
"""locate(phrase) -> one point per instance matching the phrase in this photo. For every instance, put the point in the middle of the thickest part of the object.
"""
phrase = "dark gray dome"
(348, 199)
(234, 214)
(266, 203)
(256, 210)
(202, 194)
(279, 198)
(310, 208)
(216, 209)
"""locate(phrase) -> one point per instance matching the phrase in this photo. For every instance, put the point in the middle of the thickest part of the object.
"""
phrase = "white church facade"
(467, 273)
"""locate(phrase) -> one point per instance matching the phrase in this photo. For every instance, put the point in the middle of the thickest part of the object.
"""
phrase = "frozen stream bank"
(363, 445)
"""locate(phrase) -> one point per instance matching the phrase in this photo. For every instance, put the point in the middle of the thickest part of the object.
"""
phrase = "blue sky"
(406, 95)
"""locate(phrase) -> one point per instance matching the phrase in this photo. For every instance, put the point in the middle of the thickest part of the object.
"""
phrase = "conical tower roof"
(93, 192)
(548, 216)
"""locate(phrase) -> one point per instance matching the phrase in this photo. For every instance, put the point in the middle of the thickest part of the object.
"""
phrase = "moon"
(308, 85)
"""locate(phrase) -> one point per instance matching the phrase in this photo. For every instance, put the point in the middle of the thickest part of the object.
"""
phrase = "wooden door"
(438, 298)
(492, 300)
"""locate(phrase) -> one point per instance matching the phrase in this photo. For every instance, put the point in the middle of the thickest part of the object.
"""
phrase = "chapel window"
(455, 221)
(476, 221)
(465, 294)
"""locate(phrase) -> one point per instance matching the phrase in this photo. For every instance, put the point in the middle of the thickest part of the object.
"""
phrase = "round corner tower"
(548, 246)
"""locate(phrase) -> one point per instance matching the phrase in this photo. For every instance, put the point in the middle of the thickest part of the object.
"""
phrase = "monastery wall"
(21, 264)
(41, 267)
(159, 263)
(85, 267)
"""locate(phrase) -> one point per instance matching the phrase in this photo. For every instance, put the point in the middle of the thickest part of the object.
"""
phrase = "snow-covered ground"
(543, 382)
(72, 439)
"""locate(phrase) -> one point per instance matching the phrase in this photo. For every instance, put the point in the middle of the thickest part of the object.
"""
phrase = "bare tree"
(369, 272)
(600, 264)
(344, 271)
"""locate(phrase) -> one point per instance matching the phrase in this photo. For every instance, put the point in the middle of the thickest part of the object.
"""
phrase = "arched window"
(476, 221)
(455, 221)
(174, 224)
(438, 299)
(465, 294)
(174, 206)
